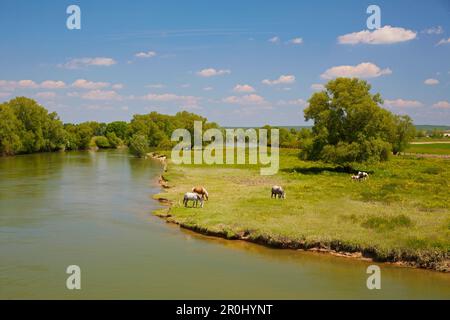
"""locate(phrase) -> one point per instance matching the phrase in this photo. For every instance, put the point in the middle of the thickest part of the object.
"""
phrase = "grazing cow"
(194, 197)
(201, 191)
(357, 178)
(363, 175)
(278, 191)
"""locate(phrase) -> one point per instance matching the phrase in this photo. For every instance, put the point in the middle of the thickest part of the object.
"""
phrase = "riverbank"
(400, 215)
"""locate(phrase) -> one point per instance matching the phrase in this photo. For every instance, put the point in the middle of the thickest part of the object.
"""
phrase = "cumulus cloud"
(245, 88)
(362, 70)
(208, 88)
(4, 94)
(91, 85)
(274, 40)
(85, 62)
(101, 95)
(434, 30)
(27, 84)
(50, 84)
(295, 102)
(283, 79)
(401, 103)
(155, 86)
(117, 86)
(296, 41)
(317, 86)
(384, 35)
(30, 84)
(442, 104)
(46, 95)
(431, 81)
(250, 99)
(211, 72)
(444, 41)
(171, 97)
(147, 54)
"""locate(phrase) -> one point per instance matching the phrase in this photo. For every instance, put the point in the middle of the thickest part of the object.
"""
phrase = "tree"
(351, 126)
(138, 145)
(10, 129)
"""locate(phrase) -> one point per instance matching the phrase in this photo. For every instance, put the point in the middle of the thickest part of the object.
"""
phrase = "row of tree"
(349, 126)
(27, 127)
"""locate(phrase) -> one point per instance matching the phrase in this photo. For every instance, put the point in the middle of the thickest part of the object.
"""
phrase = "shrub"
(102, 142)
(138, 145)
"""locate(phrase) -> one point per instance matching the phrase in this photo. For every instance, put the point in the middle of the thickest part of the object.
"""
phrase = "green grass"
(401, 211)
(431, 148)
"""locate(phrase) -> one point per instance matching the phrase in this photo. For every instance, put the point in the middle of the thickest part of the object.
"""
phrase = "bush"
(113, 140)
(138, 145)
(102, 142)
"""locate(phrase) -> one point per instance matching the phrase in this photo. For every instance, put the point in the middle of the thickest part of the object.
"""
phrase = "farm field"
(400, 214)
(439, 148)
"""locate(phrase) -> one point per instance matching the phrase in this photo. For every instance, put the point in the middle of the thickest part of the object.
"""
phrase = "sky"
(238, 63)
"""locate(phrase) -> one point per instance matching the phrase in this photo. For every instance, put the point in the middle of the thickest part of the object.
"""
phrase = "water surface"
(93, 209)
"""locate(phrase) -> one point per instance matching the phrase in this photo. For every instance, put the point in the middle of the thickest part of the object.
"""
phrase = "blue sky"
(239, 63)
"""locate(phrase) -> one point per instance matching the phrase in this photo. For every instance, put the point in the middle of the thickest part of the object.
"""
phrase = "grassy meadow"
(430, 148)
(400, 214)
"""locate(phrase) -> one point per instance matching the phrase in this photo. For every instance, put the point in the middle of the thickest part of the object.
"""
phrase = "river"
(93, 209)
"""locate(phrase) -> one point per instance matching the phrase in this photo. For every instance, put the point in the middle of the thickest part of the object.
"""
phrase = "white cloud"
(185, 85)
(85, 62)
(431, 82)
(283, 79)
(296, 102)
(442, 104)
(155, 86)
(296, 41)
(401, 103)
(170, 97)
(4, 94)
(101, 95)
(208, 88)
(434, 30)
(317, 86)
(444, 41)
(211, 72)
(124, 108)
(46, 95)
(30, 84)
(384, 35)
(117, 86)
(250, 99)
(27, 84)
(243, 88)
(362, 70)
(50, 84)
(148, 54)
(274, 39)
(85, 84)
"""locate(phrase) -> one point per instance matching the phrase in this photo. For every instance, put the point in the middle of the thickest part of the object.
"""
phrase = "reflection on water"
(93, 209)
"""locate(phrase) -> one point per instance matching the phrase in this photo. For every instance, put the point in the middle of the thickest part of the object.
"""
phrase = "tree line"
(350, 126)
(27, 127)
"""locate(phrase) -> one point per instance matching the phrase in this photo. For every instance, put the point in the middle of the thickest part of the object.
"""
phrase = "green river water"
(93, 209)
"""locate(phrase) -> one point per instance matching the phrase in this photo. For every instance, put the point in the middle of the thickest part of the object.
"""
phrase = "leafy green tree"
(41, 131)
(119, 128)
(138, 145)
(10, 130)
(351, 126)
(101, 142)
(113, 140)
